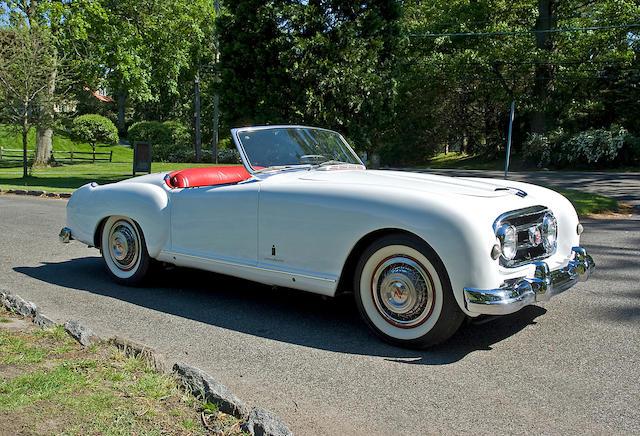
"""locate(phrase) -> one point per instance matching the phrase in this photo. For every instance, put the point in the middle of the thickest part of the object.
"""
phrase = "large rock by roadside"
(201, 383)
(82, 334)
(43, 321)
(262, 422)
(17, 304)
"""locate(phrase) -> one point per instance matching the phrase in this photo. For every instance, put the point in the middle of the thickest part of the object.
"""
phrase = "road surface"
(570, 366)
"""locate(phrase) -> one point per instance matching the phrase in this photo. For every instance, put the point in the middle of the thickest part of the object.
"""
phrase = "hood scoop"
(518, 192)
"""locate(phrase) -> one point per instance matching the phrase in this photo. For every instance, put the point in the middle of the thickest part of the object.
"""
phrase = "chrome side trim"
(252, 267)
(65, 235)
(514, 294)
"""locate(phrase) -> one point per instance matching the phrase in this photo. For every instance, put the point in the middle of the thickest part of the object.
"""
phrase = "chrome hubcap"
(402, 291)
(124, 245)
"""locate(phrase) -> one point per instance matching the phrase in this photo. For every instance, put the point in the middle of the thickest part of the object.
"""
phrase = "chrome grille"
(527, 222)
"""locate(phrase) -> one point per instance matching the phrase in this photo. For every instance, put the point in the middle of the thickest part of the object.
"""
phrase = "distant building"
(67, 106)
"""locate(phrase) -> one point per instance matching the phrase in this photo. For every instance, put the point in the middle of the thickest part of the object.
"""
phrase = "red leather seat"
(206, 176)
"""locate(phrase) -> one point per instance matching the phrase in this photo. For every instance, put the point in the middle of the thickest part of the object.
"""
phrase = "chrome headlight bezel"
(531, 246)
(549, 232)
(507, 237)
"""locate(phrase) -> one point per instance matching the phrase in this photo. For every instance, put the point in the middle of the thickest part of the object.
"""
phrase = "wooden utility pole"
(197, 115)
(216, 99)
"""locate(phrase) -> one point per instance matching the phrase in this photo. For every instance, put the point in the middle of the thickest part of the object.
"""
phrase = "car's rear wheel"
(124, 250)
(403, 292)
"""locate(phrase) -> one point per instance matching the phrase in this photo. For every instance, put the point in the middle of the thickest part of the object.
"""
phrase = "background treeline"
(404, 79)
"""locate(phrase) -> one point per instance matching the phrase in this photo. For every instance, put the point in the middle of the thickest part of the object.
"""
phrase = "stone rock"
(65, 195)
(262, 422)
(130, 348)
(35, 193)
(202, 384)
(17, 304)
(17, 191)
(44, 322)
(81, 333)
(52, 195)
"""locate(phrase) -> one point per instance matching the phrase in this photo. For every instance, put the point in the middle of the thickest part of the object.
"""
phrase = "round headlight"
(508, 237)
(549, 232)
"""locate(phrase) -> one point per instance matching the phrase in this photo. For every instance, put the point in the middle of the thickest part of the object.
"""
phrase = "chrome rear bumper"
(514, 294)
(65, 235)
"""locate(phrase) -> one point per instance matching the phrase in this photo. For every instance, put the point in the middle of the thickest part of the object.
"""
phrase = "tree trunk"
(44, 131)
(122, 127)
(543, 86)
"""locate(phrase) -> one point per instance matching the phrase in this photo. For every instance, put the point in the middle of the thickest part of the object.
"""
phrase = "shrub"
(170, 138)
(594, 146)
(590, 148)
(93, 128)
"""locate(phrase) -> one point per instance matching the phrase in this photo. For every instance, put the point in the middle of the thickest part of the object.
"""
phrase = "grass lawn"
(69, 176)
(50, 384)
(463, 161)
(592, 204)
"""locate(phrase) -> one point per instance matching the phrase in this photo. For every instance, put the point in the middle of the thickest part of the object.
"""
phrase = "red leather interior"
(206, 176)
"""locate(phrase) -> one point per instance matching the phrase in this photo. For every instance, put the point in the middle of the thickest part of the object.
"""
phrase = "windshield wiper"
(282, 167)
(329, 162)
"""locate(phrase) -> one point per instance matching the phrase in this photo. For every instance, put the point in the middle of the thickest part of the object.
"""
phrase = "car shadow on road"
(278, 314)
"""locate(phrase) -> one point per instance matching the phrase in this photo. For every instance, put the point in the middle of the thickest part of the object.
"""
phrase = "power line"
(523, 32)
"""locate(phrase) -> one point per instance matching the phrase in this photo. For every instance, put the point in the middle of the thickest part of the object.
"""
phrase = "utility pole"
(197, 104)
(506, 164)
(216, 99)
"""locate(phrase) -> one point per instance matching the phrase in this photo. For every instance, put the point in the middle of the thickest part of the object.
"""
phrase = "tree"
(323, 62)
(145, 51)
(93, 128)
(26, 65)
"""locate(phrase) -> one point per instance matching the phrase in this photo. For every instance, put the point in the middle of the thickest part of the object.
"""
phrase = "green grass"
(70, 389)
(587, 203)
(463, 161)
(69, 176)
(11, 139)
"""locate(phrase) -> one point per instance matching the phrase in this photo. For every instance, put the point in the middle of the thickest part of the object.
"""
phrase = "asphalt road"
(570, 366)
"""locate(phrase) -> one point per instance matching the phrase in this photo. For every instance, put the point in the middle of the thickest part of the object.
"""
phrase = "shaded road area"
(569, 366)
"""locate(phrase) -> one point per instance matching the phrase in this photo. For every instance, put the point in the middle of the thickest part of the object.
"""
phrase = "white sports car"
(420, 252)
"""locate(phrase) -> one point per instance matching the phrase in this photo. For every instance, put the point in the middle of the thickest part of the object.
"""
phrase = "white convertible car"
(420, 252)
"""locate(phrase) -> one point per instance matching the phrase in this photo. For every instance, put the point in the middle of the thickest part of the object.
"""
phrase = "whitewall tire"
(404, 294)
(124, 250)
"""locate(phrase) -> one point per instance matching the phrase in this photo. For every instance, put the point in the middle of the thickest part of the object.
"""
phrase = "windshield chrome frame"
(235, 133)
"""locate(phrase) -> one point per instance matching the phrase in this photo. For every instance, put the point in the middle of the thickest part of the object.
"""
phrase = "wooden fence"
(15, 155)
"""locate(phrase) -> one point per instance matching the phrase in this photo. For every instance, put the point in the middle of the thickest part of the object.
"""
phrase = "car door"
(216, 222)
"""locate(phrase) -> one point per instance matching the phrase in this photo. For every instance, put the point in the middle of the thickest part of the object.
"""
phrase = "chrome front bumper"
(514, 294)
(65, 235)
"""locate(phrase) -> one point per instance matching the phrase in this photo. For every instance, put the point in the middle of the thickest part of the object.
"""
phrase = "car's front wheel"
(124, 250)
(403, 292)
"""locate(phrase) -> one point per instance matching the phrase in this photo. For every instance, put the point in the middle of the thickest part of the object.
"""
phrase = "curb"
(255, 421)
(29, 193)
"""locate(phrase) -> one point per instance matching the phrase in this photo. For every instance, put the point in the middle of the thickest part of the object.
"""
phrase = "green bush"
(592, 148)
(93, 128)
(168, 139)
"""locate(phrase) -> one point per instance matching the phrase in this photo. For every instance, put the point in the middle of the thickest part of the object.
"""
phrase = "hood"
(428, 183)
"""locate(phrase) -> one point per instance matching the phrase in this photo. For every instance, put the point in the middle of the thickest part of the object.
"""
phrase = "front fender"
(145, 203)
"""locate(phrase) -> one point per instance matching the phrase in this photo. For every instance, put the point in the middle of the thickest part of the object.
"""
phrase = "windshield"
(293, 146)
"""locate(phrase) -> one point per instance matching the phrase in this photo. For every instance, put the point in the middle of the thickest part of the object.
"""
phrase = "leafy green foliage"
(327, 63)
(591, 148)
(93, 128)
(167, 139)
